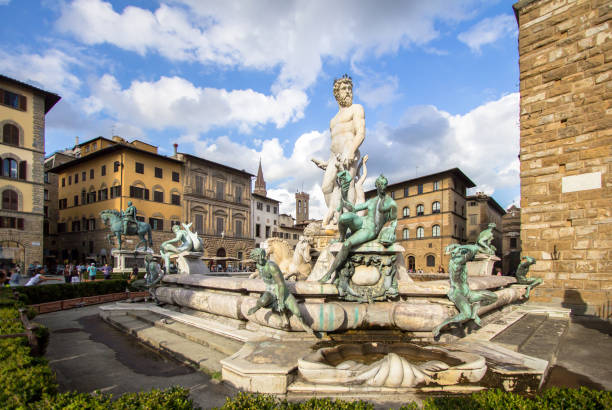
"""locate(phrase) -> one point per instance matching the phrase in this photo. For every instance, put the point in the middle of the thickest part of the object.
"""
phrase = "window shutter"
(131, 191)
(160, 225)
(20, 223)
(22, 169)
(146, 194)
(22, 102)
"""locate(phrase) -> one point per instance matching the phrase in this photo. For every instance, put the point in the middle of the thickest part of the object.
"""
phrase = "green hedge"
(551, 399)
(33, 295)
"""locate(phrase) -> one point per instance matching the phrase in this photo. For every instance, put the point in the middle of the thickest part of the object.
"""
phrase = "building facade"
(288, 230)
(22, 186)
(51, 245)
(264, 211)
(431, 216)
(511, 240)
(565, 150)
(302, 207)
(217, 201)
(481, 211)
(107, 174)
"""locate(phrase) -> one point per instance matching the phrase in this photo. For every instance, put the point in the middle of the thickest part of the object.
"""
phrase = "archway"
(221, 254)
(411, 264)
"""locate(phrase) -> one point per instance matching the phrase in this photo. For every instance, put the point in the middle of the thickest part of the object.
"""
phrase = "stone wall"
(565, 57)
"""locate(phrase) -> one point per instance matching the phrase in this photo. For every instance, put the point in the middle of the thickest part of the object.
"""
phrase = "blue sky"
(235, 81)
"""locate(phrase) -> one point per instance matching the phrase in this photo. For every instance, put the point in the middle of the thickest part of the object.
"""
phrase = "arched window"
(10, 200)
(431, 260)
(420, 232)
(435, 207)
(406, 211)
(10, 134)
(435, 230)
(420, 210)
(411, 263)
(9, 168)
(405, 233)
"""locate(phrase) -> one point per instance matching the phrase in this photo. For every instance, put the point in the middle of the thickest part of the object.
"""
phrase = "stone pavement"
(87, 354)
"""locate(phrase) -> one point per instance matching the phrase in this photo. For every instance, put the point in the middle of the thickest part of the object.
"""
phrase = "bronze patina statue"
(521, 274)
(485, 238)
(189, 242)
(467, 301)
(381, 208)
(129, 215)
(276, 296)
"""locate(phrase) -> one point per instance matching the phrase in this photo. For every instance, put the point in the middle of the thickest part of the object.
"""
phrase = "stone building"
(264, 211)
(288, 230)
(565, 58)
(431, 215)
(511, 240)
(481, 211)
(107, 174)
(22, 186)
(51, 246)
(302, 207)
(217, 200)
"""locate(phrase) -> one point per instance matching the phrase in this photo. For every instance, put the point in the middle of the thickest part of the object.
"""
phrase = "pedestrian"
(92, 270)
(67, 273)
(134, 274)
(82, 271)
(106, 270)
(441, 269)
(15, 278)
(74, 274)
(38, 278)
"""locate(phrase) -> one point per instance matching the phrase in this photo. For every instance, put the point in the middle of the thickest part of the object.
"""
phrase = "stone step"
(519, 332)
(203, 337)
(194, 354)
(544, 341)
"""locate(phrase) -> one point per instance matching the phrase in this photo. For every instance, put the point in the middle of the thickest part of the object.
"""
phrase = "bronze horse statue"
(112, 218)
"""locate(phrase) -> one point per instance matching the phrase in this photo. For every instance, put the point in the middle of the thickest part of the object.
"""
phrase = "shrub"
(60, 291)
(23, 378)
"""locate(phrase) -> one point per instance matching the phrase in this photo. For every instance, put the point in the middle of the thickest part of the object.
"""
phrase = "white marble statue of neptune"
(347, 130)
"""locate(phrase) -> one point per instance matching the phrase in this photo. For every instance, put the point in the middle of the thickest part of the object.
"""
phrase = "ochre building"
(565, 58)
(431, 216)
(22, 149)
(107, 174)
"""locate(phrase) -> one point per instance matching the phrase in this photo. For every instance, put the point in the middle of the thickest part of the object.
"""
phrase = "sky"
(239, 81)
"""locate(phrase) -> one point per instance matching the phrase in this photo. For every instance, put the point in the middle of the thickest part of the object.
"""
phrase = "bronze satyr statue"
(521, 274)
(467, 301)
(276, 296)
(381, 208)
(485, 238)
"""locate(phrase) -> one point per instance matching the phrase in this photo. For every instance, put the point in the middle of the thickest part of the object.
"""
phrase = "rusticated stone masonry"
(565, 57)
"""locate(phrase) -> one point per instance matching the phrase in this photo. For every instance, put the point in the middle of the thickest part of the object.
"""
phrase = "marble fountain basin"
(391, 365)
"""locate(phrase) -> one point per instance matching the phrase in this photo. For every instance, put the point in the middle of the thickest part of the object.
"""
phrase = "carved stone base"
(369, 273)
(482, 265)
(190, 263)
(124, 260)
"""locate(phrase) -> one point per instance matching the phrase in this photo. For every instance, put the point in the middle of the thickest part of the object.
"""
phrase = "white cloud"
(176, 102)
(483, 143)
(4, 2)
(294, 36)
(50, 71)
(488, 31)
(376, 91)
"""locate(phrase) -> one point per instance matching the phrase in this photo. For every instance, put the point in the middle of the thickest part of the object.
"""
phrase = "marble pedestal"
(124, 260)
(482, 265)
(190, 263)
